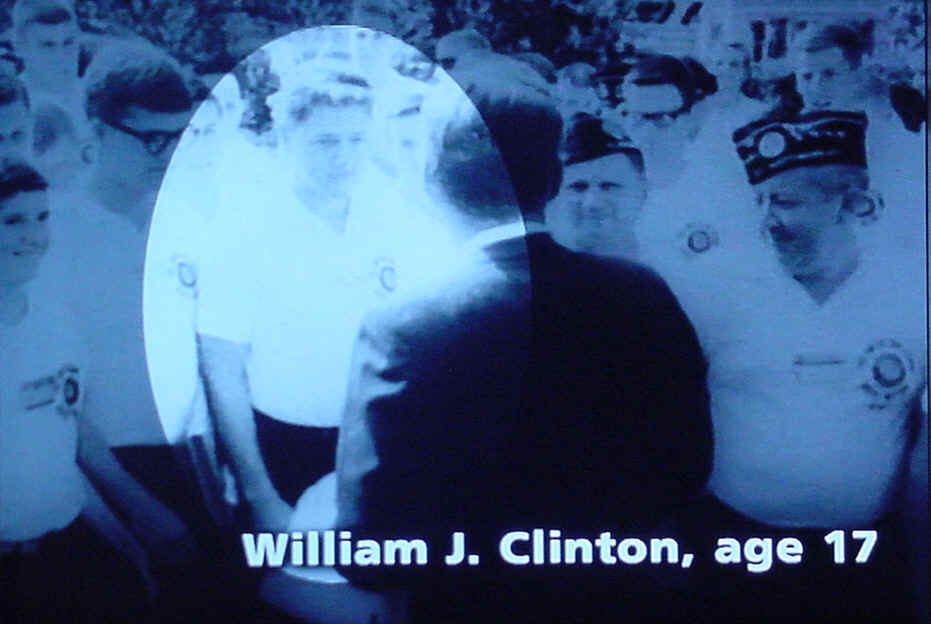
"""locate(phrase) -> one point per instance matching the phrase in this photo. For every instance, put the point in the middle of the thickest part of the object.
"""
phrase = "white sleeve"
(228, 284)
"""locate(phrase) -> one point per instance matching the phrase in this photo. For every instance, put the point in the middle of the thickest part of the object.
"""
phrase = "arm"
(98, 515)
(378, 481)
(159, 528)
(223, 369)
(677, 368)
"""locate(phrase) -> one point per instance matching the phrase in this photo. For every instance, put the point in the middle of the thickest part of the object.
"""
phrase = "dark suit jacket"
(536, 388)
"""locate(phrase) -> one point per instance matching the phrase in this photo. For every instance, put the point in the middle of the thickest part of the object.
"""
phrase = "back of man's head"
(454, 45)
(525, 126)
(134, 75)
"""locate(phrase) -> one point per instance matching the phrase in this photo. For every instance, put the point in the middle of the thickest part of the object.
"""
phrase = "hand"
(149, 584)
(164, 535)
(134, 552)
(270, 513)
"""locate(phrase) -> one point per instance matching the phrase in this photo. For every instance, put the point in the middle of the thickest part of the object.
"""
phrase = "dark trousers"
(295, 456)
(215, 585)
(815, 590)
(71, 575)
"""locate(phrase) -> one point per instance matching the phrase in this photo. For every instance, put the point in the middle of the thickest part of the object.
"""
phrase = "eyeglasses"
(654, 117)
(155, 141)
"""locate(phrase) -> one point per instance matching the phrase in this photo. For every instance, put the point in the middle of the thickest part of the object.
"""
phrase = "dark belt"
(29, 547)
(32, 546)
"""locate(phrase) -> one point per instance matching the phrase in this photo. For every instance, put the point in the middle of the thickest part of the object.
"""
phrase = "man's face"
(825, 80)
(24, 236)
(600, 201)
(802, 221)
(330, 143)
(136, 150)
(50, 53)
(651, 113)
(15, 132)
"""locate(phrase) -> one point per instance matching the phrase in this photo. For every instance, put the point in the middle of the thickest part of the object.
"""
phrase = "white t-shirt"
(897, 164)
(281, 281)
(96, 258)
(810, 403)
(41, 391)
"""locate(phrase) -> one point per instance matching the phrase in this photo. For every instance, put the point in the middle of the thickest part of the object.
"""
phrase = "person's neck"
(122, 199)
(821, 285)
(627, 245)
(665, 170)
(14, 303)
(331, 208)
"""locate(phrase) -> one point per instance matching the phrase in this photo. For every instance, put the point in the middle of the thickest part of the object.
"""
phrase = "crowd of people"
(353, 286)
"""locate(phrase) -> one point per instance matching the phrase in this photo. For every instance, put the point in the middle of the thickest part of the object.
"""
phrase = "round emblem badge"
(187, 274)
(386, 274)
(771, 144)
(185, 271)
(697, 238)
(888, 371)
(69, 394)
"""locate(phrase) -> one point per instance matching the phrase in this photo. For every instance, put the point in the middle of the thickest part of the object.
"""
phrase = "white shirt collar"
(494, 234)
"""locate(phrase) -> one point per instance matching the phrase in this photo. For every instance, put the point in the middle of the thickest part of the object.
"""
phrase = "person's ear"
(863, 206)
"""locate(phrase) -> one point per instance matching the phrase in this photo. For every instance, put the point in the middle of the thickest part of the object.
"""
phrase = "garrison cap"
(767, 147)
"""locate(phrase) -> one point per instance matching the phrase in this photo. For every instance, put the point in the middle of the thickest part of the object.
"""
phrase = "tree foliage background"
(212, 35)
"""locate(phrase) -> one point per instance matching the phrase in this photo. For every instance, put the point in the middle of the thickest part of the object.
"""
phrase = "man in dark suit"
(533, 387)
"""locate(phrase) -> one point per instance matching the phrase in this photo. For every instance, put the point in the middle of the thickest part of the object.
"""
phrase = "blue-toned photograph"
(463, 311)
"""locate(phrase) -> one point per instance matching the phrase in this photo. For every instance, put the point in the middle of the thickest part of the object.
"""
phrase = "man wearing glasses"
(659, 93)
(138, 110)
(137, 105)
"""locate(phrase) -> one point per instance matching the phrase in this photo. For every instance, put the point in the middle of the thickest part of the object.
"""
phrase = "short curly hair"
(126, 76)
(662, 69)
(852, 44)
(337, 90)
(18, 178)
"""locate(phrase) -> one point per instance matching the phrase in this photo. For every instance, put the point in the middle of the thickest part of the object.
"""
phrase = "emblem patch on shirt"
(386, 275)
(887, 371)
(63, 389)
(70, 391)
(697, 238)
(186, 275)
